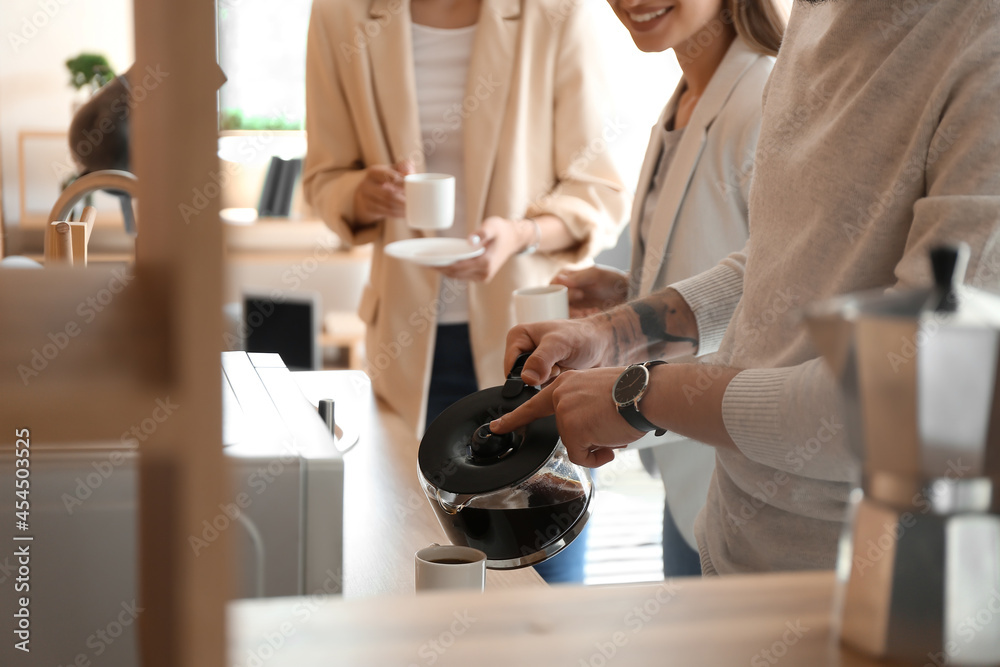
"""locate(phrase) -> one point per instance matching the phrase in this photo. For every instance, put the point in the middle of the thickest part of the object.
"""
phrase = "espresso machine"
(919, 564)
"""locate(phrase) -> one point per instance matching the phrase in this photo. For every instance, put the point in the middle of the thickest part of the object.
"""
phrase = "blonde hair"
(760, 23)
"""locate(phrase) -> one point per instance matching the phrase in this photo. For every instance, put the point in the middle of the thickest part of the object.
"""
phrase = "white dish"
(238, 216)
(433, 251)
(344, 439)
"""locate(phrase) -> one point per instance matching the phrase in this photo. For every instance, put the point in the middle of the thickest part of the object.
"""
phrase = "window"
(262, 50)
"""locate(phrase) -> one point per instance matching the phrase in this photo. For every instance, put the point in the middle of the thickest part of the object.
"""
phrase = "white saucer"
(433, 251)
(344, 439)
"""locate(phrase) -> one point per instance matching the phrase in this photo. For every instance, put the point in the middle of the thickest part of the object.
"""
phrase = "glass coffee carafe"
(517, 497)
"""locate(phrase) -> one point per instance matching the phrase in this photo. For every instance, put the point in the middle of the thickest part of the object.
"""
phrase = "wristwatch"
(628, 389)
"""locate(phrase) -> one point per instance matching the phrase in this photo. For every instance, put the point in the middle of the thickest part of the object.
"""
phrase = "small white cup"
(537, 304)
(443, 567)
(430, 201)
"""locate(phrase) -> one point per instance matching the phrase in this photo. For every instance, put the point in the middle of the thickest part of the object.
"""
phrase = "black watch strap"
(635, 418)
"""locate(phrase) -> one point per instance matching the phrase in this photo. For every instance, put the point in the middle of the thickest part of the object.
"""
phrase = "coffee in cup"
(440, 567)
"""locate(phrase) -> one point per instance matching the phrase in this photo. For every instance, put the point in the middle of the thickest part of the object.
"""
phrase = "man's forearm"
(687, 399)
(659, 326)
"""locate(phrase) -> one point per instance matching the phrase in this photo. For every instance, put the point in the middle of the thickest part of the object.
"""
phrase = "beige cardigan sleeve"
(334, 165)
(588, 194)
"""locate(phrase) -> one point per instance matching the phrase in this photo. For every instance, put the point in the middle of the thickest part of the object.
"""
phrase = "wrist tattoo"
(616, 343)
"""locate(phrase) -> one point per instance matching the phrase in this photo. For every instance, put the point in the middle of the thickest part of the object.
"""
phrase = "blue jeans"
(679, 559)
(566, 567)
(453, 374)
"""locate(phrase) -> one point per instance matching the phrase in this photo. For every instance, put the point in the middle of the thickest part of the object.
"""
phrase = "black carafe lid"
(460, 455)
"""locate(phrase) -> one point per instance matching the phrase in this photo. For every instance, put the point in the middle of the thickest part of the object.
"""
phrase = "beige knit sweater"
(880, 137)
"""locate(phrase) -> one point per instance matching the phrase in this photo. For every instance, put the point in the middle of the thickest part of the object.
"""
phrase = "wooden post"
(110, 346)
(63, 248)
(174, 155)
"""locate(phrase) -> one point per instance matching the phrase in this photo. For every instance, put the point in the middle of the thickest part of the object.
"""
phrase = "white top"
(669, 139)
(858, 171)
(441, 65)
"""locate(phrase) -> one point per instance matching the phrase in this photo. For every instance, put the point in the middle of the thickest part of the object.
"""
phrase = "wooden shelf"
(270, 236)
(106, 219)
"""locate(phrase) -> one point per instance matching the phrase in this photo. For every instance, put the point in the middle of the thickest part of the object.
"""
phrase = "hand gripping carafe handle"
(514, 384)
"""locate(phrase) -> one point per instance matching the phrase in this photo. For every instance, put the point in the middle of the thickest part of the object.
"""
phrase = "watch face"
(630, 384)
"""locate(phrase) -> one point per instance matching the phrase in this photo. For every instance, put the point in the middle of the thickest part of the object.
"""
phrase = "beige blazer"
(700, 217)
(535, 131)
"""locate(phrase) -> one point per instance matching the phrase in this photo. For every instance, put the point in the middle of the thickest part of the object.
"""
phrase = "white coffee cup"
(537, 304)
(430, 201)
(442, 567)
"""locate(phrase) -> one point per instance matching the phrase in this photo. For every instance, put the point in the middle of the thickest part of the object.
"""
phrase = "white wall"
(639, 83)
(36, 38)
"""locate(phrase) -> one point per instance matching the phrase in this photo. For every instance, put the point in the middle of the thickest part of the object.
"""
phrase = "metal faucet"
(122, 184)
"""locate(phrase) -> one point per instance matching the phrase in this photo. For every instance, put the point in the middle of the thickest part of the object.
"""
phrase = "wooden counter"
(386, 517)
(747, 620)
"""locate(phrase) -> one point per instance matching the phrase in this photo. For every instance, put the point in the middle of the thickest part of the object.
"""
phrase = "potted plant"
(89, 70)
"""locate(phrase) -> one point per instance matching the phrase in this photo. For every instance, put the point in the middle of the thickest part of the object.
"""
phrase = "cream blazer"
(535, 134)
(700, 217)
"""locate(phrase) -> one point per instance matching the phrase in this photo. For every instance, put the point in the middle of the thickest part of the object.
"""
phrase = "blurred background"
(262, 51)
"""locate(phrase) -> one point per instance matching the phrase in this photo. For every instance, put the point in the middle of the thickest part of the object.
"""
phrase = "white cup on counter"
(430, 201)
(449, 567)
(537, 304)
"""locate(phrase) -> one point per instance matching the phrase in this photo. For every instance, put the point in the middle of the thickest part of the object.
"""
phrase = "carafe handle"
(514, 384)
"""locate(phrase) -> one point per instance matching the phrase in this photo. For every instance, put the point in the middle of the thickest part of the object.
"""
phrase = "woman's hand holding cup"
(594, 289)
(381, 194)
(502, 239)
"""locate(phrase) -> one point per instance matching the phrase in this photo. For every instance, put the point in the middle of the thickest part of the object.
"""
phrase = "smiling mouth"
(646, 18)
